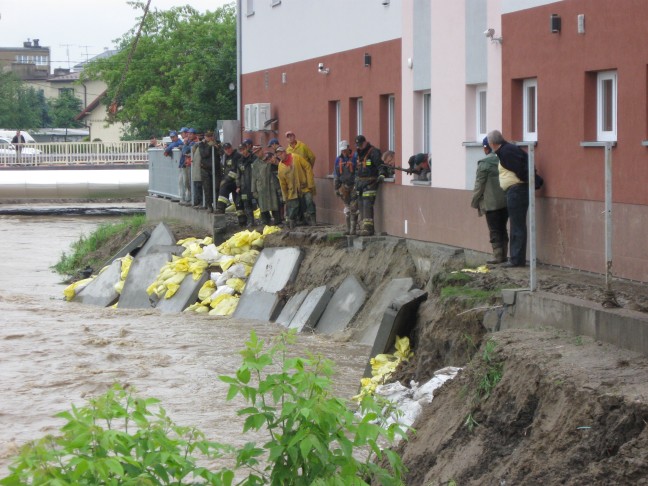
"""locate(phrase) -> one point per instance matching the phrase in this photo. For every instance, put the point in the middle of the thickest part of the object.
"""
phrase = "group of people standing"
(280, 181)
(501, 193)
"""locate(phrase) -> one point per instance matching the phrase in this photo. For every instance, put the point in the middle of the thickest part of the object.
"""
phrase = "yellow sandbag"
(225, 306)
(268, 230)
(257, 213)
(218, 300)
(403, 348)
(71, 290)
(198, 308)
(181, 265)
(206, 290)
(187, 241)
(119, 286)
(172, 288)
(225, 264)
(237, 284)
(197, 268)
(249, 257)
(125, 266)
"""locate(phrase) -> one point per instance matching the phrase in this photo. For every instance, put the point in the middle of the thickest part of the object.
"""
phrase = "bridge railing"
(75, 153)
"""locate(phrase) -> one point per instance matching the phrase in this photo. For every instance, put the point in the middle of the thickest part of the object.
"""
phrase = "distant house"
(94, 113)
(31, 61)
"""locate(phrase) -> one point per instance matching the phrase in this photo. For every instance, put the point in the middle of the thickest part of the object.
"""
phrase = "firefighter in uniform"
(245, 206)
(228, 185)
(344, 175)
(370, 172)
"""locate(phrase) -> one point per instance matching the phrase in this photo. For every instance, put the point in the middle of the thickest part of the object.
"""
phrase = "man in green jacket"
(489, 199)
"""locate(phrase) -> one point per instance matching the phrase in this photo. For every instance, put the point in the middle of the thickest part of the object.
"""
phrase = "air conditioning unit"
(260, 115)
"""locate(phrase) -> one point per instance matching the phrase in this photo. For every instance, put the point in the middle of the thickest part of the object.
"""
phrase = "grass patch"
(469, 294)
(76, 260)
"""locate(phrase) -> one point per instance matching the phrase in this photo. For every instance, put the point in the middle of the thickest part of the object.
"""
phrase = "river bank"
(527, 428)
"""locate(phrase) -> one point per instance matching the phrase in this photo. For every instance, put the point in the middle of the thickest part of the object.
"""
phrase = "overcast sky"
(73, 29)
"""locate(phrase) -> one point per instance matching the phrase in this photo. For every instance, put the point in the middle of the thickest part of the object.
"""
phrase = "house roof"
(91, 106)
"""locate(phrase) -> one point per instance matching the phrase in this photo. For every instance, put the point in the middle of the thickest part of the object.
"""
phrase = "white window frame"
(360, 115)
(481, 113)
(391, 122)
(427, 120)
(603, 103)
(530, 110)
(338, 124)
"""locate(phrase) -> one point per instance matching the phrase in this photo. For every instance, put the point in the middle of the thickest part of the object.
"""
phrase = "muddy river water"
(54, 353)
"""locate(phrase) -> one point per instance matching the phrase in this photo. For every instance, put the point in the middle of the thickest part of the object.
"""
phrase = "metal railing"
(74, 154)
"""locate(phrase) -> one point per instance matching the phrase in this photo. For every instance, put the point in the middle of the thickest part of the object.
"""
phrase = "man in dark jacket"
(344, 175)
(228, 185)
(513, 176)
(370, 173)
(210, 161)
(245, 207)
(489, 199)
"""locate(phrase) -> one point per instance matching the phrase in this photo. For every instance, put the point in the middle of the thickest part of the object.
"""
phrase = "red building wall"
(571, 224)
(305, 102)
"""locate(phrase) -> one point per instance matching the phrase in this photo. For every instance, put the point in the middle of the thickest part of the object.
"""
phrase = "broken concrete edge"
(509, 295)
(131, 248)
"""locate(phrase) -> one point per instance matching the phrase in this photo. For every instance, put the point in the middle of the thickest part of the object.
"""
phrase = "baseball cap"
(268, 155)
(273, 141)
(344, 145)
(360, 139)
(173, 133)
(485, 142)
(227, 145)
(247, 141)
(280, 149)
(289, 132)
(256, 148)
(192, 130)
(184, 129)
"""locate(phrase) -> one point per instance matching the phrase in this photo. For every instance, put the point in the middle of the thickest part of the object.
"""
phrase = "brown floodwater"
(55, 353)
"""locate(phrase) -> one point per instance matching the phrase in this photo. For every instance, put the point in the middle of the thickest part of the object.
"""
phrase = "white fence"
(74, 154)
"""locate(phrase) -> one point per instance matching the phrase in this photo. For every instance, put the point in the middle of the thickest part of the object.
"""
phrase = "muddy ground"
(559, 409)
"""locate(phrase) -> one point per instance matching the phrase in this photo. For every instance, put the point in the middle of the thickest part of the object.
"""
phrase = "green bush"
(314, 437)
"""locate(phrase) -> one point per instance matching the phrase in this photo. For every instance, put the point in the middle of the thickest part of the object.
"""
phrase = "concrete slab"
(257, 304)
(143, 272)
(186, 295)
(274, 269)
(173, 249)
(132, 247)
(290, 309)
(311, 309)
(161, 235)
(394, 289)
(343, 306)
(399, 320)
(101, 291)
(508, 295)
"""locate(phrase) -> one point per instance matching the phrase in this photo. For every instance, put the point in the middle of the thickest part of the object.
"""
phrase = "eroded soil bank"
(530, 407)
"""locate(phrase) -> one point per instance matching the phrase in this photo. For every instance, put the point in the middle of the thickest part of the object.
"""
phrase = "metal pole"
(213, 179)
(608, 216)
(532, 221)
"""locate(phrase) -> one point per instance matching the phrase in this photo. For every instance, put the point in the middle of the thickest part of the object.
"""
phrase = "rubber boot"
(498, 256)
(348, 225)
(354, 224)
(367, 228)
(308, 219)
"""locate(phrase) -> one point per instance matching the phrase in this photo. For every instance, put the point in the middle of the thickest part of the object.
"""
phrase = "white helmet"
(344, 145)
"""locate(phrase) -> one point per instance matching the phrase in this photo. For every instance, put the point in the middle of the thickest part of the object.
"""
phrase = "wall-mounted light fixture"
(367, 60)
(385, 3)
(490, 33)
(410, 62)
(321, 69)
(555, 23)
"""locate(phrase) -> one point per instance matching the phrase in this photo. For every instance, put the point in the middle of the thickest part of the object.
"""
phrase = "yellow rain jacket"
(296, 177)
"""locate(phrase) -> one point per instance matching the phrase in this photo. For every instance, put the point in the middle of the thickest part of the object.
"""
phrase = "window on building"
(530, 110)
(250, 8)
(63, 91)
(427, 99)
(606, 106)
(391, 122)
(359, 112)
(480, 112)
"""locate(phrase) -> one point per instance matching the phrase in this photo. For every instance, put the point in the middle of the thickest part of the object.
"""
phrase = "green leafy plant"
(74, 262)
(470, 422)
(493, 370)
(117, 439)
(314, 437)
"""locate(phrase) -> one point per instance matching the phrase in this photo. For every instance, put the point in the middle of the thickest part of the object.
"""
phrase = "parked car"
(6, 147)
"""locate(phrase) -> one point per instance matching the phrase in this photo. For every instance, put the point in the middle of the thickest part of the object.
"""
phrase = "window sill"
(471, 144)
(421, 183)
(598, 144)
(644, 143)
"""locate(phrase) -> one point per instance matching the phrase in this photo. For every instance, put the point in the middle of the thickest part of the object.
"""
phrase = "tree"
(179, 73)
(22, 107)
(64, 109)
